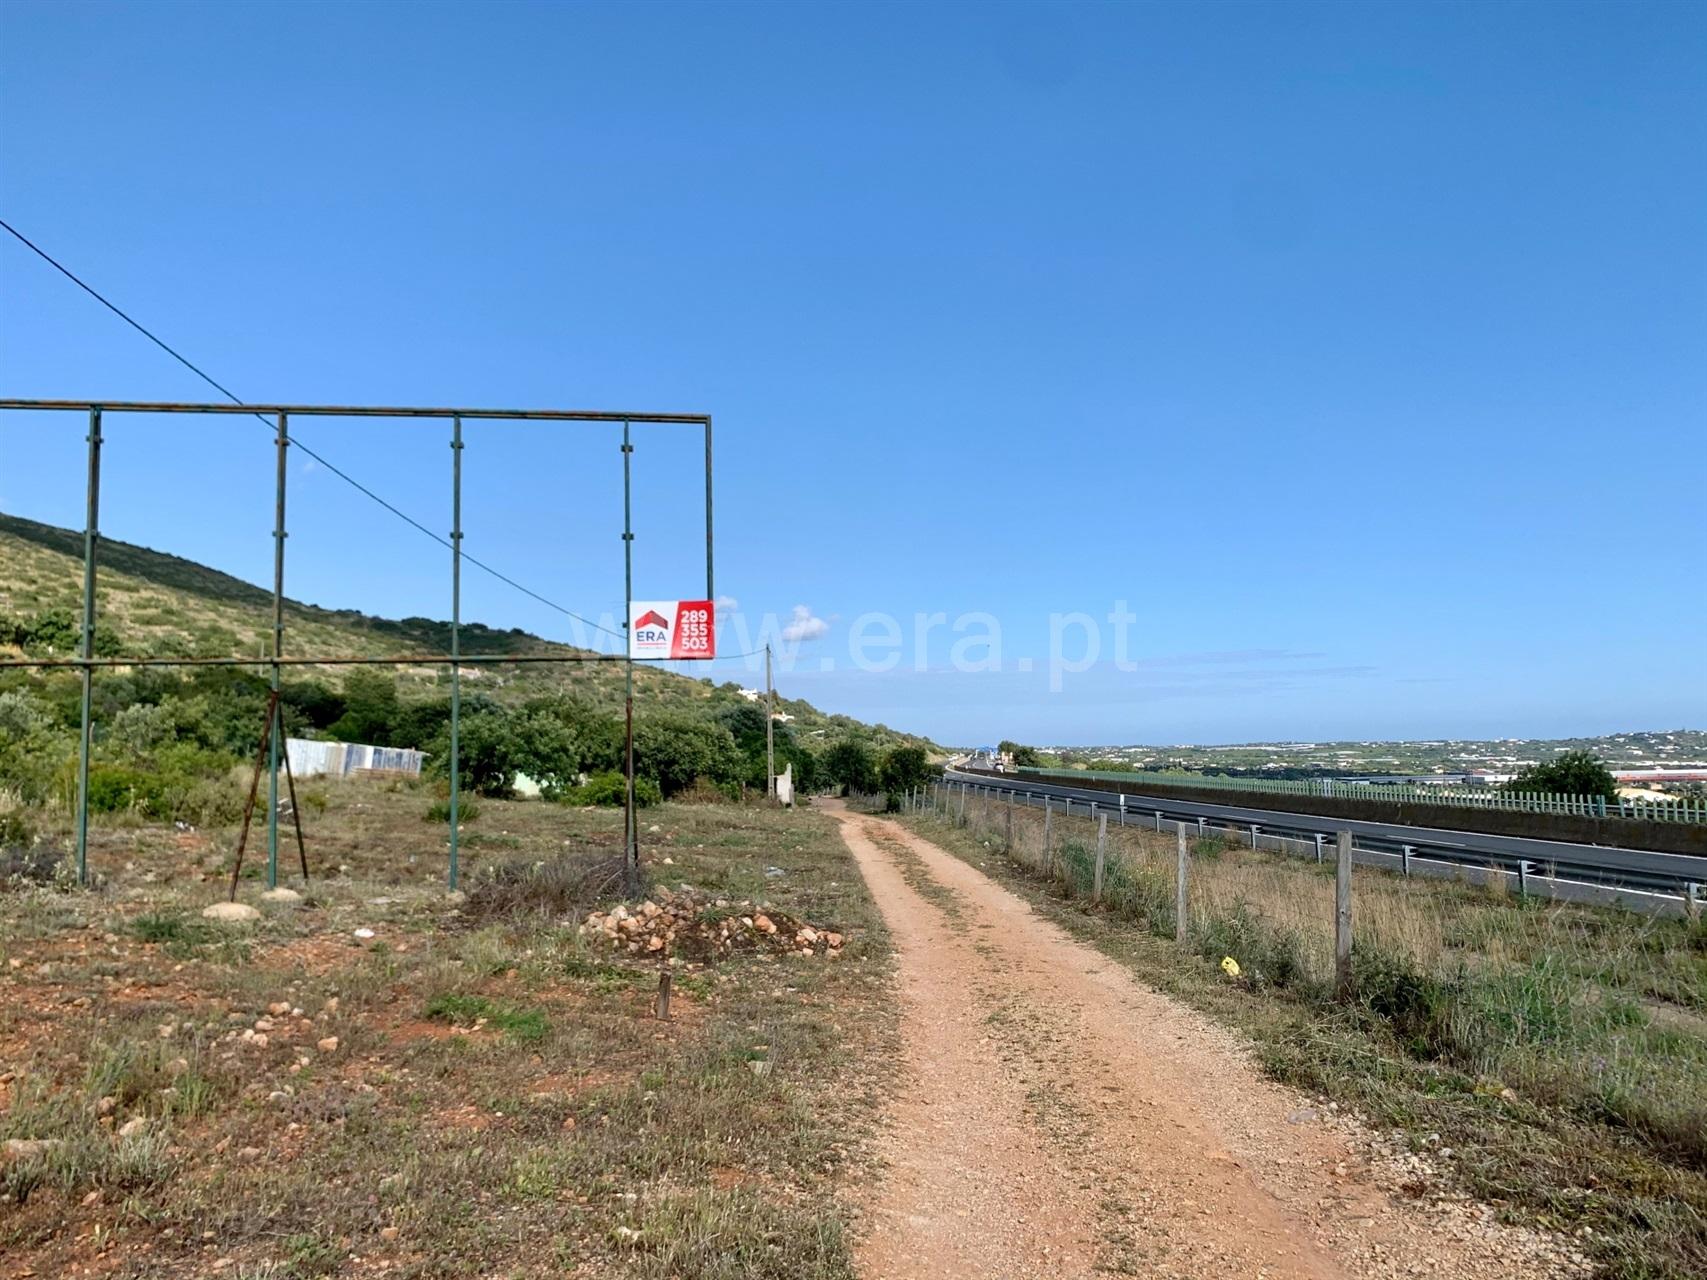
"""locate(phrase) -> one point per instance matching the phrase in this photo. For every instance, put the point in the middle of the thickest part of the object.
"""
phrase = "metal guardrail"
(1680, 810)
(1644, 880)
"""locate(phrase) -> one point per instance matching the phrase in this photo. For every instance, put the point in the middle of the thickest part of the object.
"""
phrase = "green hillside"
(173, 742)
(152, 604)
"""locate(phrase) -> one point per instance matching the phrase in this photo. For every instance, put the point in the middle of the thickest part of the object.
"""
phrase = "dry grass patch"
(1559, 1053)
(385, 1073)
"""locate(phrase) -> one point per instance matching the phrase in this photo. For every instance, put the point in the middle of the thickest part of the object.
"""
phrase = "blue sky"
(1360, 349)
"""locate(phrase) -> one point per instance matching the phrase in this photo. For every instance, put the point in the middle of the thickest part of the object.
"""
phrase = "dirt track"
(1056, 1118)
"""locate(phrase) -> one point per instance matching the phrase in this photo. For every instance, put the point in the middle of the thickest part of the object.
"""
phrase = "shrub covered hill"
(165, 738)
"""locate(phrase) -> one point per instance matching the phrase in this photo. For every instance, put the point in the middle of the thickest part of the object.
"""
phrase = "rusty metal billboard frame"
(86, 662)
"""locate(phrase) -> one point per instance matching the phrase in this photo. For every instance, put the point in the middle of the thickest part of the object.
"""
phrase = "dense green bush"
(117, 788)
(676, 751)
(903, 769)
(609, 788)
(1576, 773)
(370, 710)
(849, 765)
(32, 748)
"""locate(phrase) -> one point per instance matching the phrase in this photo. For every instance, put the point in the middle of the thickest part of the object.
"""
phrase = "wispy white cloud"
(727, 604)
(804, 625)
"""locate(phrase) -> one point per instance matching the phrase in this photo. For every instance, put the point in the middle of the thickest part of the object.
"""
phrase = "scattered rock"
(679, 925)
(365, 933)
(135, 1127)
(389, 1233)
(231, 912)
(328, 1045)
(279, 1008)
(28, 1148)
(282, 897)
(249, 1153)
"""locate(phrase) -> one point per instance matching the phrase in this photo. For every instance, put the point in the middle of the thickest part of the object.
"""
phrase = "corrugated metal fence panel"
(312, 759)
(340, 759)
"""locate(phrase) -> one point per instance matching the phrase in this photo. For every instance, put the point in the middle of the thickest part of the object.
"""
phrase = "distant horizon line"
(1337, 742)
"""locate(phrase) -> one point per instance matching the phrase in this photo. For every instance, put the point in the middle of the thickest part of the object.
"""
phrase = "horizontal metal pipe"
(404, 660)
(361, 411)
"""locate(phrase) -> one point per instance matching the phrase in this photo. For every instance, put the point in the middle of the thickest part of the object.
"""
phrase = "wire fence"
(1683, 809)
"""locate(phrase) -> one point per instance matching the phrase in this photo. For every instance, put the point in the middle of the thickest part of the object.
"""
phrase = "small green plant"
(527, 1025)
(168, 929)
(310, 1255)
(16, 830)
(467, 810)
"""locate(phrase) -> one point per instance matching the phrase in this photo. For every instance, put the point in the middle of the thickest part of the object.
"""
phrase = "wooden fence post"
(1180, 901)
(1010, 840)
(662, 1009)
(1048, 812)
(1102, 851)
(1342, 917)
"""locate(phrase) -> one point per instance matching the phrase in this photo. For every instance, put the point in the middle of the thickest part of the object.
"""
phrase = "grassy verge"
(386, 1074)
(1555, 1057)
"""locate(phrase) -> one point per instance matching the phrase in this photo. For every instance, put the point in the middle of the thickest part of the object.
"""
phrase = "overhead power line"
(348, 479)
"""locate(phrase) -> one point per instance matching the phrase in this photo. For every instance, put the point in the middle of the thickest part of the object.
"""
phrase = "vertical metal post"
(1320, 839)
(1253, 835)
(1102, 850)
(455, 645)
(1523, 867)
(276, 743)
(1180, 900)
(770, 732)
(1159, 820)
(1009, 845)
(710, 581)
(1342, 916)
(630, 845)
(91, 536)
(1404, 858)
(1048, 857)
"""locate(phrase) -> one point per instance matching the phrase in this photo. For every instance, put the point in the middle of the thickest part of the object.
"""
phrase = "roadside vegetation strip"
(422, 1080)
(1554, 1058)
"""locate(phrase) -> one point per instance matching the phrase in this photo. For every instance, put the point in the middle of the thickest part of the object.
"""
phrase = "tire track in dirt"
(1057, 1118)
